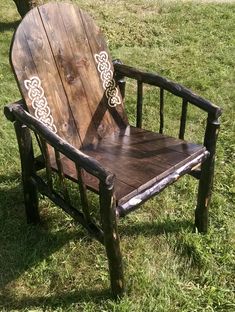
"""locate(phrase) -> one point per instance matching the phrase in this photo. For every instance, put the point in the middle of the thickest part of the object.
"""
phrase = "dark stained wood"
(70, 50)
(61, 175)
(140, 158)
(120, 80)
(73, 104)
(161, 110)
(74, 213)
(31, 56)
(78, 157)
(139, 104)
(8, 109)
(47, 160)
(27, 166)
(144, 194)
(207, 175)
(111, 238)
(83, 193)
(91, 182)
(63, 57)
(183, 119)
(98, 44)
(152, 155)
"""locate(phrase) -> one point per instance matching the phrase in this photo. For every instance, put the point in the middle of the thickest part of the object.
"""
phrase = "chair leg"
(111, 241)
(27, 165)
(207, 175)
(203, 200)
(31, 202)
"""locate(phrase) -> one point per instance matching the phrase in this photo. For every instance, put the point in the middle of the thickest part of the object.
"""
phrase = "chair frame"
(108, 235)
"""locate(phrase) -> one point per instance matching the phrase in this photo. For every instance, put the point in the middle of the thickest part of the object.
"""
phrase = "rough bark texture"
(23, 6)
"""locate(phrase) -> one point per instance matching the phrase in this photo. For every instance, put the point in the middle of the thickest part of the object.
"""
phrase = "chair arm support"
(174, 88)
(16, 111)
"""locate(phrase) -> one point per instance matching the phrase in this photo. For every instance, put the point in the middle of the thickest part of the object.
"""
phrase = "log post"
(111, 238)
(27, 165)
(207, 175)
(120, 80)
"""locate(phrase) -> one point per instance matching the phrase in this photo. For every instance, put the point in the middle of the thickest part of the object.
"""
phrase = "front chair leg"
(204, 196)
(207, 175)
(27, 165)
(111, 239)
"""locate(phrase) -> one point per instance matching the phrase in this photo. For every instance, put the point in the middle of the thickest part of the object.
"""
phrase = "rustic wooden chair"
(73, 101)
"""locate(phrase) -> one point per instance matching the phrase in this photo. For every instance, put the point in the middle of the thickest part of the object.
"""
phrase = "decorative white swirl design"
(106, 76)
(39, 102)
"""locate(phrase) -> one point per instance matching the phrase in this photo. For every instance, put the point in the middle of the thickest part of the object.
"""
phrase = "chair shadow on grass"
(23, 246)
(156, 228)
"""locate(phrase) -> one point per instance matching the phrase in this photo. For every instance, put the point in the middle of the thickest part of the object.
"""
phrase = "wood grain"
(138, 158)
(57, 43)
(31, 56)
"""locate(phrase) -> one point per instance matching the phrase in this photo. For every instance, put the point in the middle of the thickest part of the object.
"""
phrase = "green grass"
(56, 266)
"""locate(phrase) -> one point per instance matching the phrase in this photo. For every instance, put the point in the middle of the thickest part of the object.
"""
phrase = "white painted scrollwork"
(41, 109)
(106, 76)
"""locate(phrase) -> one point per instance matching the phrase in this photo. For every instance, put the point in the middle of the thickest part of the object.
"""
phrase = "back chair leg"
(27, 164)
(111, 241)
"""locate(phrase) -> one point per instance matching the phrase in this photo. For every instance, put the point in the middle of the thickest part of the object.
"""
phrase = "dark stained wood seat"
(138, 158)
(73, 101)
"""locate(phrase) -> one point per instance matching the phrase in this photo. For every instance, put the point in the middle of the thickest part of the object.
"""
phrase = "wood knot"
(70, 78)
(82, 61)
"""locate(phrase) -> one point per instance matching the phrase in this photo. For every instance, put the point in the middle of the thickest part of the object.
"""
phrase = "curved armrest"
(175, 88)
(16, 111)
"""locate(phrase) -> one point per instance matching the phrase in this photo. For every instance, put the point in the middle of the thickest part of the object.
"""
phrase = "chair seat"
(139, 159)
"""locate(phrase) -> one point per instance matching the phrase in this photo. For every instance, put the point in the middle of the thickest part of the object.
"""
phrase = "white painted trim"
(39, 102)
(106, 75)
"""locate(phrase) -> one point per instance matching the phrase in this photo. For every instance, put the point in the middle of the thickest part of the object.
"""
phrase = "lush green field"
(56, 266)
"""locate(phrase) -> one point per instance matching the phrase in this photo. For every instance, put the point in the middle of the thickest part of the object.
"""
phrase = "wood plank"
(97, 44)
(142, 195)
(78, 70)
(135, 136)
(121, 188)
(135, 164)
(69, 62)
(31, 57)
(139, 161)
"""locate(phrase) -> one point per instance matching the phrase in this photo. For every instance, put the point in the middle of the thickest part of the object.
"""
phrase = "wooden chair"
(73, 101)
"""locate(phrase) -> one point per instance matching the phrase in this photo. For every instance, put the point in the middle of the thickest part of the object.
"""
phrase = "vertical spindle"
(83, 194)
(139, 107)
(161, 110)
(120, 80)
(183, 119)
(61, 175)
(46, 156)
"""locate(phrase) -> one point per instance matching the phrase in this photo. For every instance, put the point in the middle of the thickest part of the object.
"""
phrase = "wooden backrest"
(65, 74)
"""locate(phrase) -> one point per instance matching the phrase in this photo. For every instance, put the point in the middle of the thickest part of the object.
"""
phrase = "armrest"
(174, 88)
(16, 111)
